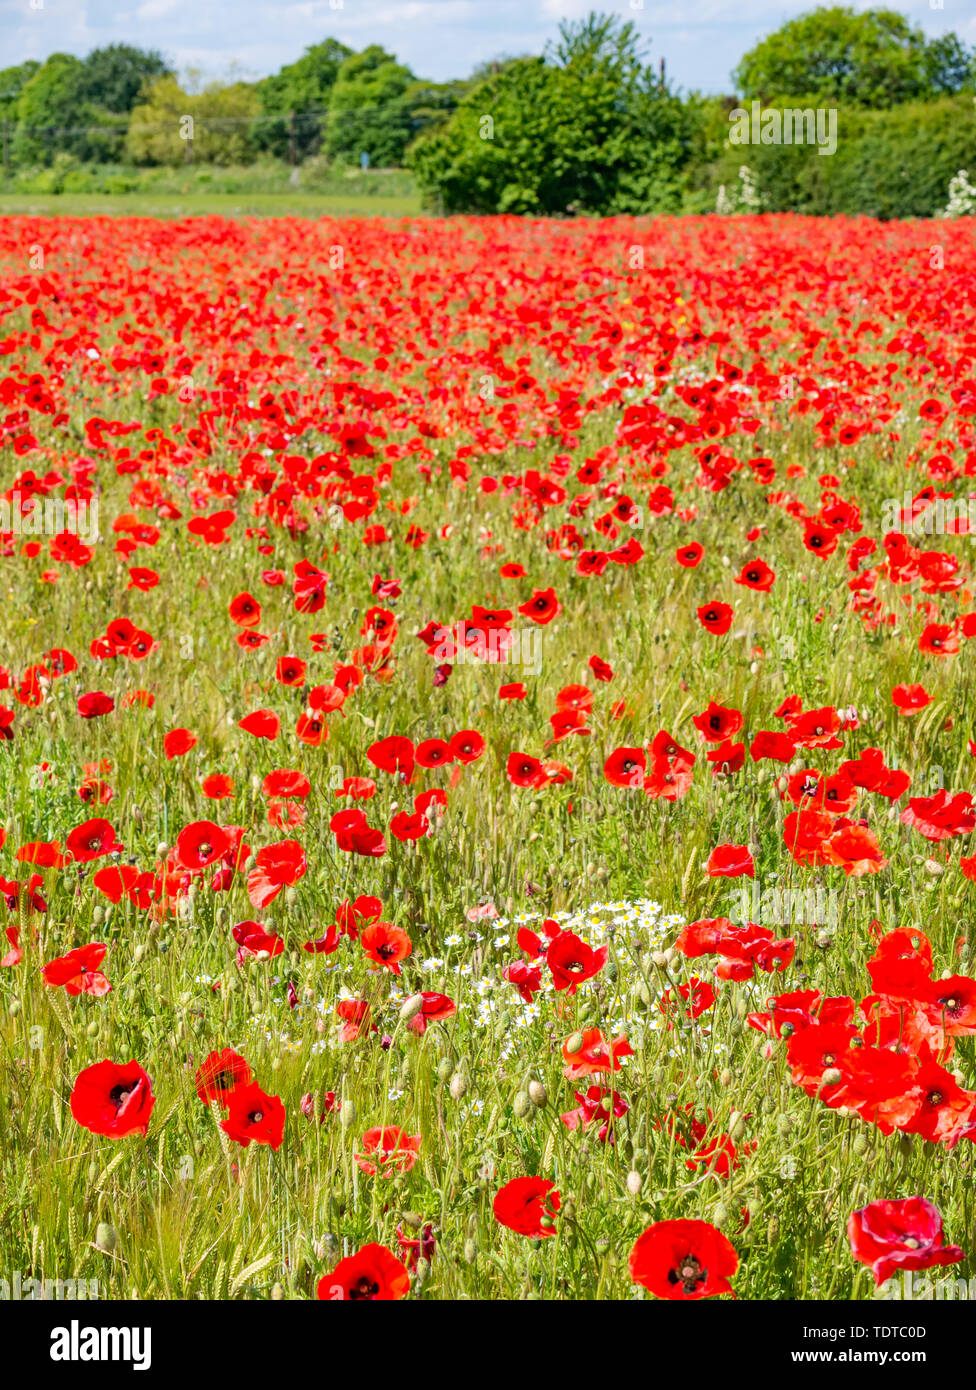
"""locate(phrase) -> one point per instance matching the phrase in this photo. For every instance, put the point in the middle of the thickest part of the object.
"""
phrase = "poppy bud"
(411, 1007)
(458, 1086)
(785, 1127)
(522, 1105)
(831, 1077)
(470, 1251)
(860, 1145)
(291, 897)
(737, 1127)
(575, 1043)
(105, 1238)
(347, 1114)
(277, 1292)
(725, 1078)
(634, 1183)
(660, 960)
(538, 1094)
(772, 1230)
(445, 1068)
(410, 1218)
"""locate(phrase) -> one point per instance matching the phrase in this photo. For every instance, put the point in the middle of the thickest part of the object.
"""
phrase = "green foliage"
(302, 88)
(114, 77)
(875, 58)
(586, 128)
(217, 119)
(888, 164)
(368, 109)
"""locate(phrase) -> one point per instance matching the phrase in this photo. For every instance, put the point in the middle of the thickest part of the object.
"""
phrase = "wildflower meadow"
(487, 751)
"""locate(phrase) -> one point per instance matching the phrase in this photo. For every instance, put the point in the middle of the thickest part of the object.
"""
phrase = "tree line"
(590, 126)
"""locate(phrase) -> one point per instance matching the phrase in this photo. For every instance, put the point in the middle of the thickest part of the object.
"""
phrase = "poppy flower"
(941, 816)
(525, 771)
(715, 617)
(262, 723)
(594, 1054)
(95, 704)
(466, 746)
(253, 1116)
(716, 723)
(731, 861)
(278, 866)
(683, 1260)
(78, 971)
(220, 1073)
(355, 836)
(374, 1272)
(527, 1206)
(92, 840)
(113, 1098)
(757, 575)
(542, 607)
(894, 1234)
(573, 962)
(910, 698)
(200, 845)
(177, 742)
(245, 610)
(386, 1151)
(386, 945)
(626, 767)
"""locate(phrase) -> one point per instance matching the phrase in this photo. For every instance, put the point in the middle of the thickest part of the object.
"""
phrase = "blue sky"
(701, 40)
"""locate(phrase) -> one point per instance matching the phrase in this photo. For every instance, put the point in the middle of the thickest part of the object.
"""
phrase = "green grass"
(203, 204)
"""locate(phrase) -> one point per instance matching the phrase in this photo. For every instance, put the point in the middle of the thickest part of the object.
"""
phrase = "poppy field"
(486, 749)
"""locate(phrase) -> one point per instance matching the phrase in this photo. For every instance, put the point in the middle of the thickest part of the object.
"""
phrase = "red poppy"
(388, 1151)
(894, 1234)
(372, 1273)
(716, 617)
(527, 1206)
(386, 945)
(220, 1074)
(113, 1098)
(78, 971)
(253, 1116)
(683, 1260)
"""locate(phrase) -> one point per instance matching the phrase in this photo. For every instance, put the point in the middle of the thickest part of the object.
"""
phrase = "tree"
(114, 77)
(875, 58)
(212, 125)
(587, 127)
(367, 110)
(302, 87)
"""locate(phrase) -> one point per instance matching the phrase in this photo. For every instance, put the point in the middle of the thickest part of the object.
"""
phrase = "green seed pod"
(575, 1043)
(538, 1094)
(522, 1105)
(347, 1114)
(106, 1238)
